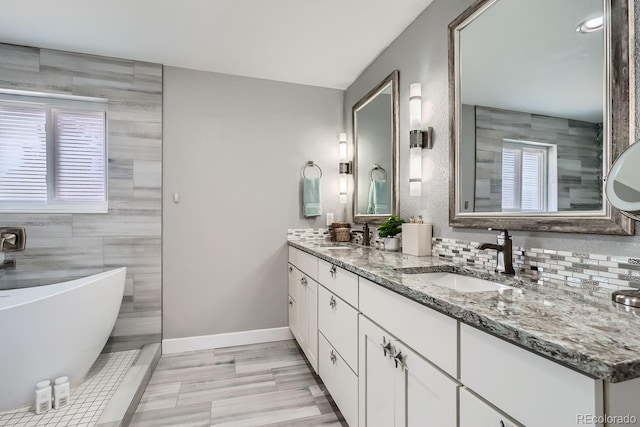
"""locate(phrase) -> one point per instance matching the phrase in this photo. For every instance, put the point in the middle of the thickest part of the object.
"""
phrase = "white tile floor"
(88, 400)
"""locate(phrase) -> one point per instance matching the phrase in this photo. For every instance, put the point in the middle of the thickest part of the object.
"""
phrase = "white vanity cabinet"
(338, 326)
(400, 388)
(476, 413)
(307, 317)
(531, 389)
(303, 303)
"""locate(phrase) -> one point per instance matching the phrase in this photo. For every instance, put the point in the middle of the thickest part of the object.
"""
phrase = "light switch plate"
(329, 218)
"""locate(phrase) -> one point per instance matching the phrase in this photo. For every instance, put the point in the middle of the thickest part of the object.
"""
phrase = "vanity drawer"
(292, 255)
(341, 382)
(308, 264)
(341, 282)
(530, 388)
(476, 413)
(431, 334)
(338, 321)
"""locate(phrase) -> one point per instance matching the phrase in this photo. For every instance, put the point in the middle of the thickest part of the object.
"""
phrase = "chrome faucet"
(505, 252)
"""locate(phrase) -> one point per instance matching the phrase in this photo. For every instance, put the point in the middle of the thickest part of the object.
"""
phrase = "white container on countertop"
(416, 239)
(43, 397)
(61, 392)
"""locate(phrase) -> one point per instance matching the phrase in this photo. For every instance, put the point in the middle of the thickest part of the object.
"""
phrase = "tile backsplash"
(593, 272)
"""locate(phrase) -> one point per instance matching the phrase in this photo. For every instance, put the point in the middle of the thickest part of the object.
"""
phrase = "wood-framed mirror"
(376, 153)
(539, 110)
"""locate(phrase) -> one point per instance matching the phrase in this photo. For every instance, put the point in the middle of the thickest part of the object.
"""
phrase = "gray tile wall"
(130, 233)
(579, 156)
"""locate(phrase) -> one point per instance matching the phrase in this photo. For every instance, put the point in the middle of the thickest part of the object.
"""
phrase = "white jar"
(61, 392)
(43, 397)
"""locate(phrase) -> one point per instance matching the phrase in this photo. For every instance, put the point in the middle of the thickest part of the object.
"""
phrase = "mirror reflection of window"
(528, 178)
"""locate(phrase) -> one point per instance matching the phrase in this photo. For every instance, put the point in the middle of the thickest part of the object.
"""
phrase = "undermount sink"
(461, 283)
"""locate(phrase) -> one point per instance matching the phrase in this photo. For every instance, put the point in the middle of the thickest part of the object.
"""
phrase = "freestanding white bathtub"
(50, 331)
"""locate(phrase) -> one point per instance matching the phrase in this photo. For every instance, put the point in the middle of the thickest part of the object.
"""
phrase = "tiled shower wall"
(130, 233)
(579, 156)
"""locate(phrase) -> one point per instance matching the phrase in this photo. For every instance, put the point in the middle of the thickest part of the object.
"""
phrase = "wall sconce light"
(345, 167)
(419, 138)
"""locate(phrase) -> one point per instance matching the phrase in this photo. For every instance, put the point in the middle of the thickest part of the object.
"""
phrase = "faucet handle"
(503, 231)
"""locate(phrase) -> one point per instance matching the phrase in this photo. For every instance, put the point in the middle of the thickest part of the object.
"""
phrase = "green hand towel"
(378, 202)
(311, 197)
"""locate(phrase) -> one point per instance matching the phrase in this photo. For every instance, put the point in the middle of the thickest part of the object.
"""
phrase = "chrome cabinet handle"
(397, 358)
(386, 346)
(291, 303)
(333, 271)
(332, 302)
(502, 423)
(290, 269)
(303, 280)
(333, 357)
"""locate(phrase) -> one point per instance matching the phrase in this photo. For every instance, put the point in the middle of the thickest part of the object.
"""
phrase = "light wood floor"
(267, 384)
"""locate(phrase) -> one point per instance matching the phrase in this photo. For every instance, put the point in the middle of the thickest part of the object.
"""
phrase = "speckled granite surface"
(561, 323)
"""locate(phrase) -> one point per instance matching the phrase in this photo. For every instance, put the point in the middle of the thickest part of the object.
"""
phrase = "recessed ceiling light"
(591, 25)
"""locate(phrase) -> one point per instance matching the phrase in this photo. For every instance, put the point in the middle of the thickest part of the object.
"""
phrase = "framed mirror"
(376, 153)
(539, 100)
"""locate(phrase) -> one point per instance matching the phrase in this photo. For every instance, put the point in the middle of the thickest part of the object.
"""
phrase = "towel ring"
(375, 168)
(310, 164)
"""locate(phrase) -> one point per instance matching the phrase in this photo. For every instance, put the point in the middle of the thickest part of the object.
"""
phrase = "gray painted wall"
(233, 149)
(130, 233)
(420, 54)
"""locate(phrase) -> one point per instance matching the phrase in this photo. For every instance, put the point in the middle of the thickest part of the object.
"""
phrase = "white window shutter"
(510, 179)
(79, 146)
(23, 153)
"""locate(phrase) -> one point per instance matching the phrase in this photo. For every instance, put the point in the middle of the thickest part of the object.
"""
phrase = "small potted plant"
(388, 231)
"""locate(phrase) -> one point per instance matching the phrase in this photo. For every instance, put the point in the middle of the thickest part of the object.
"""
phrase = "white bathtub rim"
(37, 293)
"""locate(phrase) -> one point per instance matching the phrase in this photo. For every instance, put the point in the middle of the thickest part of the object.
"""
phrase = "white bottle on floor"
(43, 397)
(61, 392)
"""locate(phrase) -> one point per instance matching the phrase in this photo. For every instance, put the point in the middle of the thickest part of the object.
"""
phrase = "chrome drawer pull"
(303, 280)
(386, 346)
(332, 302)
(333, 357)
(397, 358)
(333, 271)
(290, 269)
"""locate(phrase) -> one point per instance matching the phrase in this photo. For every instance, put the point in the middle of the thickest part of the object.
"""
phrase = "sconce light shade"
(415, 171)
(343, 147)
(415, 106)
(344, 167)
(418, 139)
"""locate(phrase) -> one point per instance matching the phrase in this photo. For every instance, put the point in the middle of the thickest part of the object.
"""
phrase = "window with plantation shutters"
(524, 177)
(53, 154)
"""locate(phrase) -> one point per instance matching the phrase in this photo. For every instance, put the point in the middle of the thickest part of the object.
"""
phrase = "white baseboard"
(206, 342)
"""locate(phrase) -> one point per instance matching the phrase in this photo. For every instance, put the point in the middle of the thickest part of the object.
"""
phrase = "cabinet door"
(377, 378)
(476, 413)
(427, 397)
(312, 324)
(303, 319)
(292, 272)
(293, 316)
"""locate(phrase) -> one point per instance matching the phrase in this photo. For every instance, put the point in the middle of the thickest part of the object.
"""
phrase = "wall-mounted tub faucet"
(505, 252)
(11, 239)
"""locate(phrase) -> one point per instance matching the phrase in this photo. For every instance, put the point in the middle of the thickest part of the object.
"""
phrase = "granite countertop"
(570, 327)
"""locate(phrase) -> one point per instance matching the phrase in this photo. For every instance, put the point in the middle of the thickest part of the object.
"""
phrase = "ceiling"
(324, 43)
(525, 55)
